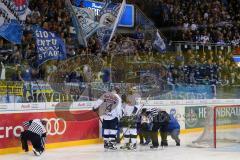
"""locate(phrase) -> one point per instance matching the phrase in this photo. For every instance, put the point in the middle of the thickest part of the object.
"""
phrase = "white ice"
(96, 152)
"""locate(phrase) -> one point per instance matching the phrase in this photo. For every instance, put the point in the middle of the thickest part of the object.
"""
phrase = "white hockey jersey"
(130, 110)
(110, 104)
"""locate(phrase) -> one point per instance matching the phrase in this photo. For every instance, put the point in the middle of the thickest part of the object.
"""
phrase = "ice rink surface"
(96, 152)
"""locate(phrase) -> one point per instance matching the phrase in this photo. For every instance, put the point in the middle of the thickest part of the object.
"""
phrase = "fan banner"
(49, 46)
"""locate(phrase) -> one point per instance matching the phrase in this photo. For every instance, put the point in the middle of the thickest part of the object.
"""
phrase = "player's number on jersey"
(109, 108)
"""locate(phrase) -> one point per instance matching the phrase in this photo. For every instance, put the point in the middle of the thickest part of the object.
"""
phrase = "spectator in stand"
(26, 74)
(199, 21)
(195, 16)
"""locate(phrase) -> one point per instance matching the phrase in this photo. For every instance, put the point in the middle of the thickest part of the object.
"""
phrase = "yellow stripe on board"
(53, 145)
(193, 130)
(220, 127)
(10, 150)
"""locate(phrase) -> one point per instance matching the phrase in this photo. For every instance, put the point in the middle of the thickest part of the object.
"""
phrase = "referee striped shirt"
(154, 112)
(35, 126)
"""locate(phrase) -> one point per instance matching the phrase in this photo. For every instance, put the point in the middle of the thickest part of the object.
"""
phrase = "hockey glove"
(94, 109)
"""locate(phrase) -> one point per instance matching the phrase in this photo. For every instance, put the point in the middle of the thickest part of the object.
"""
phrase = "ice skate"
(125, 146)
(132, 147)
(36, 153)
(112, 146)
(153, 147)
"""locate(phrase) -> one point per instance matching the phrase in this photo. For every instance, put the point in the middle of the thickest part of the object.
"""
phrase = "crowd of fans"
(194, 20)
(206, 21)
(185, 67)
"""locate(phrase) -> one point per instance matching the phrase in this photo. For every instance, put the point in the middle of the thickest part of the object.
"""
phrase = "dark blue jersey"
(173, 124)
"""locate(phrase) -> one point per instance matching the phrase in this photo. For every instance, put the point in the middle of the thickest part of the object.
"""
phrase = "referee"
(153, 113)
(36, 133)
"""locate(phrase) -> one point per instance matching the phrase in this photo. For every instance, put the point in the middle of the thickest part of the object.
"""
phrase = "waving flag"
(109, 18)
(87, 21)
(83, 21)
(21, 7)
(107, 2)
(12, 31)
(49, 46)
(11, 13)
(159, 44)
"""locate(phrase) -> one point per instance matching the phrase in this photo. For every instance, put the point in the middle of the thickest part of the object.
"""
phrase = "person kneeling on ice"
(144, 127)
(129, 123)
(164, 119)
(160, 121)
(36, 133)
(109, 106)
(173, 129)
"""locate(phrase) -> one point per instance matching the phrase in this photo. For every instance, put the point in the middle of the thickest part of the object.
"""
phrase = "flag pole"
(116, 22)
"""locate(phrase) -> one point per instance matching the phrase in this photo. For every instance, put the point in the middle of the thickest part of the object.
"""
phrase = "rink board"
(71, 124)
(64, 128)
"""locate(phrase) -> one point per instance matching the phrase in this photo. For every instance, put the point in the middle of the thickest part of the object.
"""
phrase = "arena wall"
(71, 124)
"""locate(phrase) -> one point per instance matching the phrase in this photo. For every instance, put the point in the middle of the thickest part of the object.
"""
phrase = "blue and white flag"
(109, 18)
(107, 2)
(49, 46)
(86, 18)
(84, 22)
(79, 31)
(14, 9)
(159, 43)
(21, 7)
(12, 31)
(12, 13)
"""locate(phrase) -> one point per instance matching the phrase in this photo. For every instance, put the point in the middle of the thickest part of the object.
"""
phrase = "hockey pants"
(130, 135)
(36, 140)
(110, 129)
(175, 135)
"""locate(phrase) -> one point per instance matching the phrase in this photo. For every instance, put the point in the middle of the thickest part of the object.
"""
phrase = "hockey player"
(144, 126)
(164, 120)
(173, 129)
(160, 121)
(109, 106)
(36, 133)
(154, 117)
(129, 122)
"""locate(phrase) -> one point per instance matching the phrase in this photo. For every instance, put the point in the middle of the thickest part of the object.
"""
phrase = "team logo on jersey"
(20, 6)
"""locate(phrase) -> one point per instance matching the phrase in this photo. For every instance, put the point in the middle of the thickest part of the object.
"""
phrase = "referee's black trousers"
(154, 134)
(35, 139)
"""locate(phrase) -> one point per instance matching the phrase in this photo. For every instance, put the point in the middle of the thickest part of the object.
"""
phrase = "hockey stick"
(99, 117)
(136, 115)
